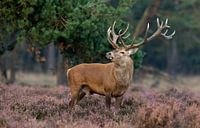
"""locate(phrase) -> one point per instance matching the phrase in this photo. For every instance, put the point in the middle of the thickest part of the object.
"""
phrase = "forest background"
(39, 36)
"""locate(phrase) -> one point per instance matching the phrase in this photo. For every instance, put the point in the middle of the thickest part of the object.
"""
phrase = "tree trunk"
(61, 77)
(148, 14)
(3, 70)
(51, 57)
(13, 64)
(172, 59)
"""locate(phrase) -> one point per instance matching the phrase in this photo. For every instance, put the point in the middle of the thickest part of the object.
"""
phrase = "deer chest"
(119, 91)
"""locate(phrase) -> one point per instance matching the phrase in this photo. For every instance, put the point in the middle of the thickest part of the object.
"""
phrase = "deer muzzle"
(109, 55)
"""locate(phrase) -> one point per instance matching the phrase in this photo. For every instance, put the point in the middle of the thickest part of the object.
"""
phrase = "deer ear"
(132, 51)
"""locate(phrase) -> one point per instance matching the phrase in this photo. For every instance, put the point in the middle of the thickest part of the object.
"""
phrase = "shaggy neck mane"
(123, 72)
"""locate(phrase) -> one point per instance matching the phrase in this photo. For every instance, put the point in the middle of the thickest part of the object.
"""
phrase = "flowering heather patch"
(39, 107)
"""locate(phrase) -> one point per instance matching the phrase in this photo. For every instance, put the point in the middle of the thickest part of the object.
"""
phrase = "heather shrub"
(187, 97)
(3, 123)
(156, 115)
(172, 109)
(190, 118)
(48, 107)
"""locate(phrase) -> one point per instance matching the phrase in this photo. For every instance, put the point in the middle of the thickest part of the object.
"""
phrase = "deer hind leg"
(74, 97)
(81, 95)
(73, 101)
(108, 100)
(78, 94)
(85, 90)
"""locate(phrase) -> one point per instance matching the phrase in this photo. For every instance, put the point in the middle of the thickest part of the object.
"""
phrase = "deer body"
(111, 79)
(100, 78)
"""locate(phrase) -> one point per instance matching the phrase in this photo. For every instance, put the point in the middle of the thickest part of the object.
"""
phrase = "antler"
(121, 40)
(161, 26)
(113, 37)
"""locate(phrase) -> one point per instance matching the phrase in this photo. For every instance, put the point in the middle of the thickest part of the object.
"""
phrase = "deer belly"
(95, 88)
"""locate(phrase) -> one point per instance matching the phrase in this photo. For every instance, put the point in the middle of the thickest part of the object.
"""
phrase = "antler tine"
(111, 32)
(113, 28)
(114, 35)
(161, 24)
(158, 22)
(126, 36)
(121, 34)
(168, 36)
(121, 41)
(166, 25)
(124, 30)
(110, 39)
(108, 34)
(166, 31)
(146, 33)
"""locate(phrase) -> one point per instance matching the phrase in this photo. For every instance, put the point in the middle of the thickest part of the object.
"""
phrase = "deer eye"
(122, 52)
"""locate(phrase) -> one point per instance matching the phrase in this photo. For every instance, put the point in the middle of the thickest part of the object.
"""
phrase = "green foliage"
(137, 59)
(88, 24)
(82, 24)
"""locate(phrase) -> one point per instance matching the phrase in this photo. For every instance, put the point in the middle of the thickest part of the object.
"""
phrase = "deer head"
(124, 51)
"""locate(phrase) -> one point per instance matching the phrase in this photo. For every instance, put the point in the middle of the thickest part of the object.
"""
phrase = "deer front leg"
(108, 100)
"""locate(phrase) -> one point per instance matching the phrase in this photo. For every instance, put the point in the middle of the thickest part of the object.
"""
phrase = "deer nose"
(109, 55)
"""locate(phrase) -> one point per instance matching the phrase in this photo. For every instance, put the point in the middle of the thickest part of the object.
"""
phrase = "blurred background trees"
(33, 34)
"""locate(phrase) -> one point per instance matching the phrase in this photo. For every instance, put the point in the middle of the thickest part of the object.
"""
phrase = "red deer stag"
(111, 79)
